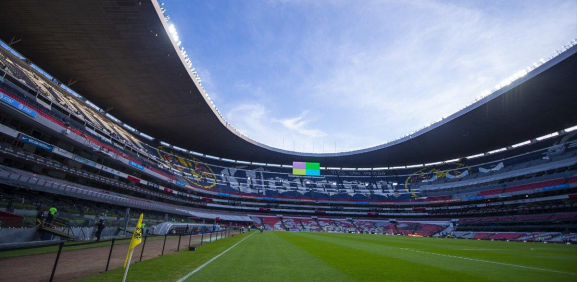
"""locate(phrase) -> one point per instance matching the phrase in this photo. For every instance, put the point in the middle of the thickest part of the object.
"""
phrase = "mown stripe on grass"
(366, 265)
(268, 257)
(212, 259)
(561, 258)
(426, 264)
(493, 262)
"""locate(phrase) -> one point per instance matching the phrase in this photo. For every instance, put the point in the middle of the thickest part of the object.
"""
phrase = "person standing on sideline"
(99, 228)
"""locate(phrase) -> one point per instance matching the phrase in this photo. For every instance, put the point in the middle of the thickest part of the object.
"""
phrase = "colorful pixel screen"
(303, 168)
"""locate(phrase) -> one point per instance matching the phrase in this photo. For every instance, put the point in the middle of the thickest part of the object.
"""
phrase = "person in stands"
(99, 228)
(51, 213)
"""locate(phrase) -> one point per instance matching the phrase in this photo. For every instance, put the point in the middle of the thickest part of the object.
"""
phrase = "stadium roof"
(119, 55)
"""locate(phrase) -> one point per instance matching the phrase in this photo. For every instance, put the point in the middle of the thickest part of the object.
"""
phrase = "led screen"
(304, 168)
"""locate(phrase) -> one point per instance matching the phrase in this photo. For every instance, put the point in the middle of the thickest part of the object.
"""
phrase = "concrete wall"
(17, 235)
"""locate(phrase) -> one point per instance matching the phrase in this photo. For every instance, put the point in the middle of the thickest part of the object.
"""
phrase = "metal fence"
(71, 261)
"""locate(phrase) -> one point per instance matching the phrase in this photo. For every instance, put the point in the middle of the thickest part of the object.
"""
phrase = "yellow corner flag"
(136, 240)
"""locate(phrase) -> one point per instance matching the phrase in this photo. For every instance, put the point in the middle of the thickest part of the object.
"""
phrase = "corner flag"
(136, 240)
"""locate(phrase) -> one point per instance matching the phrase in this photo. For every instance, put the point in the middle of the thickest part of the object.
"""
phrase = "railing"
(106, 254)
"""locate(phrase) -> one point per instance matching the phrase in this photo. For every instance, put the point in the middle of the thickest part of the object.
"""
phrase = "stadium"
(103, 118)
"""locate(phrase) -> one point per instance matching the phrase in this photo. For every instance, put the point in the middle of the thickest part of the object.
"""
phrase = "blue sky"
(359, 73)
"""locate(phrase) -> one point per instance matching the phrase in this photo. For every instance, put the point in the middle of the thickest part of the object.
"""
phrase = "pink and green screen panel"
(302, 168)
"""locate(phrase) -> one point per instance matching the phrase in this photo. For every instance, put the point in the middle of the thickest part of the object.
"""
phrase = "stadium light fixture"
(380, 168)
(413, 166)
(522, 144)
(129, 127)
(180, 149)
(196, 153)
(146, 136)
(573, 128)
(497, 151)
(547, 136)
(211, 157)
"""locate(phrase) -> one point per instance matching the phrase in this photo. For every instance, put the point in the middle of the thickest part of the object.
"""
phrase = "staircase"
(356, 226)
(261, 221)
(378, 229)
(396, 229)
(319, 224)
(415, 228)
(447, 230)
(283, 226)
(51, 228)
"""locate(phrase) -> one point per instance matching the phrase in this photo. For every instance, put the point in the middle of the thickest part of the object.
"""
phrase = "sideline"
(211, 260)
(493, 262)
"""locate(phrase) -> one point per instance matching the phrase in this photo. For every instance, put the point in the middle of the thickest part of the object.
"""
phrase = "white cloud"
(255, 121)
(299, 125)
(438, 64)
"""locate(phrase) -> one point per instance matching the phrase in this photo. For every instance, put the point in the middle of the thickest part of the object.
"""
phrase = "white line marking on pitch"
(480, 249)
(493, 262)
(211, 260)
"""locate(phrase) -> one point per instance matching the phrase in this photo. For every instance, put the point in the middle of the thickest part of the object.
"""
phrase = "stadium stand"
(60, 146)
(272, 223)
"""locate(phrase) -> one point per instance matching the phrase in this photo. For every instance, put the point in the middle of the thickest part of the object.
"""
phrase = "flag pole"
(127, 266)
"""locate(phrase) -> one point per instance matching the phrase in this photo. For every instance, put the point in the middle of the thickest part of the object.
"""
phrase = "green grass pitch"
(286, 256)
